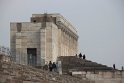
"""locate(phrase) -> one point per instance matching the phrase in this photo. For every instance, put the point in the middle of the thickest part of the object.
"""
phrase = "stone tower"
(43, 39)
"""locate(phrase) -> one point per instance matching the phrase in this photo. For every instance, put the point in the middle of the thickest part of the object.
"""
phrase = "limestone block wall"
(67, 34)
(42, 45)
(68, 44)
(48, 56)
(55, 43)
(43, 33)
(102, 76)
(31, 38)
(27, 37)
(13, 31)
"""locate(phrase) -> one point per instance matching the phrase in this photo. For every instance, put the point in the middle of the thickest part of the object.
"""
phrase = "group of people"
(51, 66)
(80, 56)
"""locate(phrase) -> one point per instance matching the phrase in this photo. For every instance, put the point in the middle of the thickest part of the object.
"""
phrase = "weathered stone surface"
(51, 34)
(14, 73)
(26, 74)
(88, 70)
(73, 63)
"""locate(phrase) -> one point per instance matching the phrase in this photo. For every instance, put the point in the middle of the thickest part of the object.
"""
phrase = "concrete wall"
(28, 37)
(102, 76)
(50, 40)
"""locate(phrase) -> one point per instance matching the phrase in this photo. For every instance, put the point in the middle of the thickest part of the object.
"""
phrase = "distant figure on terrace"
(80, 55)
(122, 68)
(84, 57)
(50, 66)
(114, 66)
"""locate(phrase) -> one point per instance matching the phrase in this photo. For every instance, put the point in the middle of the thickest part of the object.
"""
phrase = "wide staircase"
(75, 63)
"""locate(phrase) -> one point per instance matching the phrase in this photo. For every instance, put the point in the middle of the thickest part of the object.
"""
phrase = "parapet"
(55, 18)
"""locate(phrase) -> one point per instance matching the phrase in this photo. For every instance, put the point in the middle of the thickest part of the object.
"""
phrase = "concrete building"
(43, 39)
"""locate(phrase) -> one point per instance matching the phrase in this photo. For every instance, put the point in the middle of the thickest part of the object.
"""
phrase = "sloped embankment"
(15, 73)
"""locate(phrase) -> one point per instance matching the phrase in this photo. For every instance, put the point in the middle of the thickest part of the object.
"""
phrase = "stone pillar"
(62, 43)
(59, 65)
(24, 44)
(41, 59)
(59, 42)
(18, 48)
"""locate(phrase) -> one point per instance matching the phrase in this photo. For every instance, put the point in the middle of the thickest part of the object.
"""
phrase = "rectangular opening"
(32, 56)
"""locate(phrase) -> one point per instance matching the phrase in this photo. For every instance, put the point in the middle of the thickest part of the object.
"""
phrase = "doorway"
(32, 56)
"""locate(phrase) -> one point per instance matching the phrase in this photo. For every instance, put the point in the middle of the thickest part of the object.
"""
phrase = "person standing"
(80, 55)
(114, 66)
(84, 57)
(50, 66)
(54, 67)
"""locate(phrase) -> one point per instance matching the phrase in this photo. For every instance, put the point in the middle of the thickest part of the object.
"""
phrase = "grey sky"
(100, 24)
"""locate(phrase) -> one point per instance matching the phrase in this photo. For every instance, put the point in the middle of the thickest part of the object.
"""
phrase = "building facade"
(43, 39)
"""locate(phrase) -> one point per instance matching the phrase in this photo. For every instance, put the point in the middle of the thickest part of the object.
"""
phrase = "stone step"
(73, 62)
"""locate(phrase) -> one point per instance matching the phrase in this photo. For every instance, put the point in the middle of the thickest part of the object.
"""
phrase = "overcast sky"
(100, 24)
